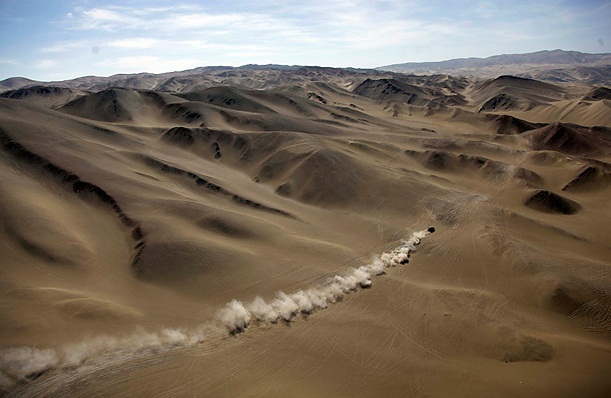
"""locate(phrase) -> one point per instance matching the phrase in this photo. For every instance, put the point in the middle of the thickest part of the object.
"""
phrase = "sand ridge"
(135, 208)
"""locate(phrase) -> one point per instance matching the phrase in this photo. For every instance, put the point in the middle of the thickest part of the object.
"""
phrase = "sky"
(51, 40)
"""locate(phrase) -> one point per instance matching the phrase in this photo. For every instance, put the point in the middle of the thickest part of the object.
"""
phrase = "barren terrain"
(133, 211)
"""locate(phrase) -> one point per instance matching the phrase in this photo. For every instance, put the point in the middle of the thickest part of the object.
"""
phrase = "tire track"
(81, 364)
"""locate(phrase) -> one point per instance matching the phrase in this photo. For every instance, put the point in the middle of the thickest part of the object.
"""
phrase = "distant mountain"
(555, 65)
(270, 66)
(552, 66)
(13, 83)
(48, 96)
(247, 76)
(555, 57)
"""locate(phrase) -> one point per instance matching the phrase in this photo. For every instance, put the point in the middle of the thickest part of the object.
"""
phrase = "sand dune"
(257, 238)
(570, 139)
(50, 97)
(590, 178)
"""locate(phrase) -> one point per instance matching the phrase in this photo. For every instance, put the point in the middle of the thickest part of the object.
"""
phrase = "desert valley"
(245, 232)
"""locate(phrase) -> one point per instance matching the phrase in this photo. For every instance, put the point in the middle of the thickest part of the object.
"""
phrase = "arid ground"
(132, 213)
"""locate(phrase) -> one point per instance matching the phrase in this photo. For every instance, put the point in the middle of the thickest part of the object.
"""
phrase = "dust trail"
(19, 365)
(236, 316)
(23, 363)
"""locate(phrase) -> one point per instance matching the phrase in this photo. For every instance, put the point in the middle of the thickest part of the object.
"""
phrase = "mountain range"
(555, 66)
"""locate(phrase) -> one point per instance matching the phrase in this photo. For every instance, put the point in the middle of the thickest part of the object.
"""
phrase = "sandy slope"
(129, 218)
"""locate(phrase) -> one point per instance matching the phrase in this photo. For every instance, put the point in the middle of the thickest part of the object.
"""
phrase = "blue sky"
(62, 39)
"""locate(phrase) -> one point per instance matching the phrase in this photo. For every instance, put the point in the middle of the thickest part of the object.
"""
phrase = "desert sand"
(147, 230)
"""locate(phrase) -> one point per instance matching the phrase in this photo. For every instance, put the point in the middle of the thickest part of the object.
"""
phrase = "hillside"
(305, 231)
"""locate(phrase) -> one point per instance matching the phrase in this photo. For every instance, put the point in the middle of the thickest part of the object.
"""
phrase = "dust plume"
(21, 364)
(236, 316)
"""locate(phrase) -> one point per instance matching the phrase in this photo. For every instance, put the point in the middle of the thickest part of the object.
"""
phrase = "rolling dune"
(259, 232)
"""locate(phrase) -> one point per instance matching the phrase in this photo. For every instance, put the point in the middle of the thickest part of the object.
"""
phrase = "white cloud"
(106, 19)
(272, 28)
(8, 61)
(202, 21)
(153, 36)
(134, 42)
(158, 22)
(46, 64)
(146, 11)
(66, 46)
